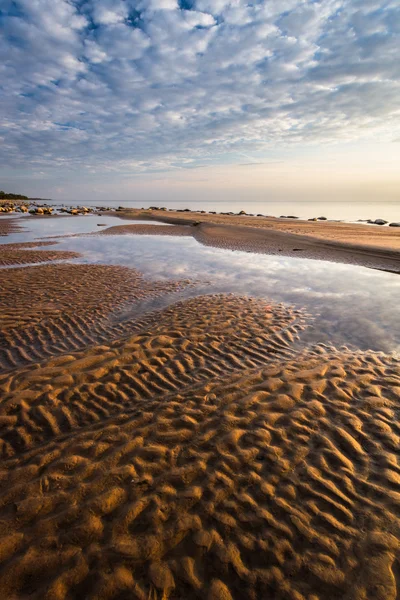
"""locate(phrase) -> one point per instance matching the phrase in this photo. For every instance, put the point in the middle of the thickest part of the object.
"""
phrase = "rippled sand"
(197, 452)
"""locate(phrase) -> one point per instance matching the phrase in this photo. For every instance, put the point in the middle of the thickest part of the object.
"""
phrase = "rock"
(242, 212)
(313, 219)
(380, 222)
(394, 224)
(291, 217)
(321, 218)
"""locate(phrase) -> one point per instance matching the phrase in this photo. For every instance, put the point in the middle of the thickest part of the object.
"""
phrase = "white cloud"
(154, 83)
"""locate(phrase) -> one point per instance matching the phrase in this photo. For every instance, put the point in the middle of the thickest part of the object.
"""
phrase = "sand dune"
(203, 458)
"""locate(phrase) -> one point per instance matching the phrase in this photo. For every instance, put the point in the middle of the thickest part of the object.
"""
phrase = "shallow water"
(350, 305)
(40, 227)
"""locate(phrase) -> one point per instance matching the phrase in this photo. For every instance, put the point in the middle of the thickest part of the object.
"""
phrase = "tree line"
(8, 196)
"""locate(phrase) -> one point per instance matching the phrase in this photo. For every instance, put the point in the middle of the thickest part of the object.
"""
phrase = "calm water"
(37, 228)
(347, 211)
(350, 305)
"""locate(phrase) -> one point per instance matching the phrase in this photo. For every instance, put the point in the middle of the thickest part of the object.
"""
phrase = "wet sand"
(365, 245)
(197, 451)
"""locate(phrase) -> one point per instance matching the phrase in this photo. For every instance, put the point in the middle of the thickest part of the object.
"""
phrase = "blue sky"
(119, 97)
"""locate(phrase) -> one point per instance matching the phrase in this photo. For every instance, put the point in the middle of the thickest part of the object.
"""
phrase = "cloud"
(158, 82)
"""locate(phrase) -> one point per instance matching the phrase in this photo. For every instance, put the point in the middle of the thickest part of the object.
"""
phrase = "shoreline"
(322, 240)
(357, 244)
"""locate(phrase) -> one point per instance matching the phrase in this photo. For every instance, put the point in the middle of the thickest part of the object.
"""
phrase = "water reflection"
(352, 305)
(35, 227)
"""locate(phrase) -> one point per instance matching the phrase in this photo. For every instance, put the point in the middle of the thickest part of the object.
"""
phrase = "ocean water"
(345, 211)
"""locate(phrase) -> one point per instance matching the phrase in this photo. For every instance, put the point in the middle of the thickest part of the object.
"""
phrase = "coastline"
(321, 240)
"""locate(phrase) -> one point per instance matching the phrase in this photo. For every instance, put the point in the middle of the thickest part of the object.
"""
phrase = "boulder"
(380, 222)
(394, 224)
(321, 218)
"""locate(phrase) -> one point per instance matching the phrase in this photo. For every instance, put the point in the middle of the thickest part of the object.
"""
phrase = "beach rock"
(321, 218)
(291, 217)
(242, 212)
(380, 222)
(394, 224)
(313, 219)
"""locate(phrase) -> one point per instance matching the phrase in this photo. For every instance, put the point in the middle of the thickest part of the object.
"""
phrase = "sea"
(338, 210)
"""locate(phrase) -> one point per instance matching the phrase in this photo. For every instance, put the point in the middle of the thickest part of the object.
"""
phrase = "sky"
(200, 99)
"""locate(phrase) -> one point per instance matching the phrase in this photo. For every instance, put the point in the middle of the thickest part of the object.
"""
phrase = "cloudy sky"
(164, 99)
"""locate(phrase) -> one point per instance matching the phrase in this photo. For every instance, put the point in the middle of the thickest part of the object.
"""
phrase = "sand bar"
(359, 244)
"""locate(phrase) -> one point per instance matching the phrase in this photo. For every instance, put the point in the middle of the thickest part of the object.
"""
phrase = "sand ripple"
(52, 309)
(203, 458)
(21, 254)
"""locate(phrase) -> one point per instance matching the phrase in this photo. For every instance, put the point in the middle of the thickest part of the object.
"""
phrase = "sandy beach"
(371, 246)
(198, 450)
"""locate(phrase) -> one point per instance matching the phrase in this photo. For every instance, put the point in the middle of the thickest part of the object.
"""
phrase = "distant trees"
(8, 196)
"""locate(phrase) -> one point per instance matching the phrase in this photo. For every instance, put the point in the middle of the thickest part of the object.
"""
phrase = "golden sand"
(52, 309)
(198, 452)
(21, 254)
